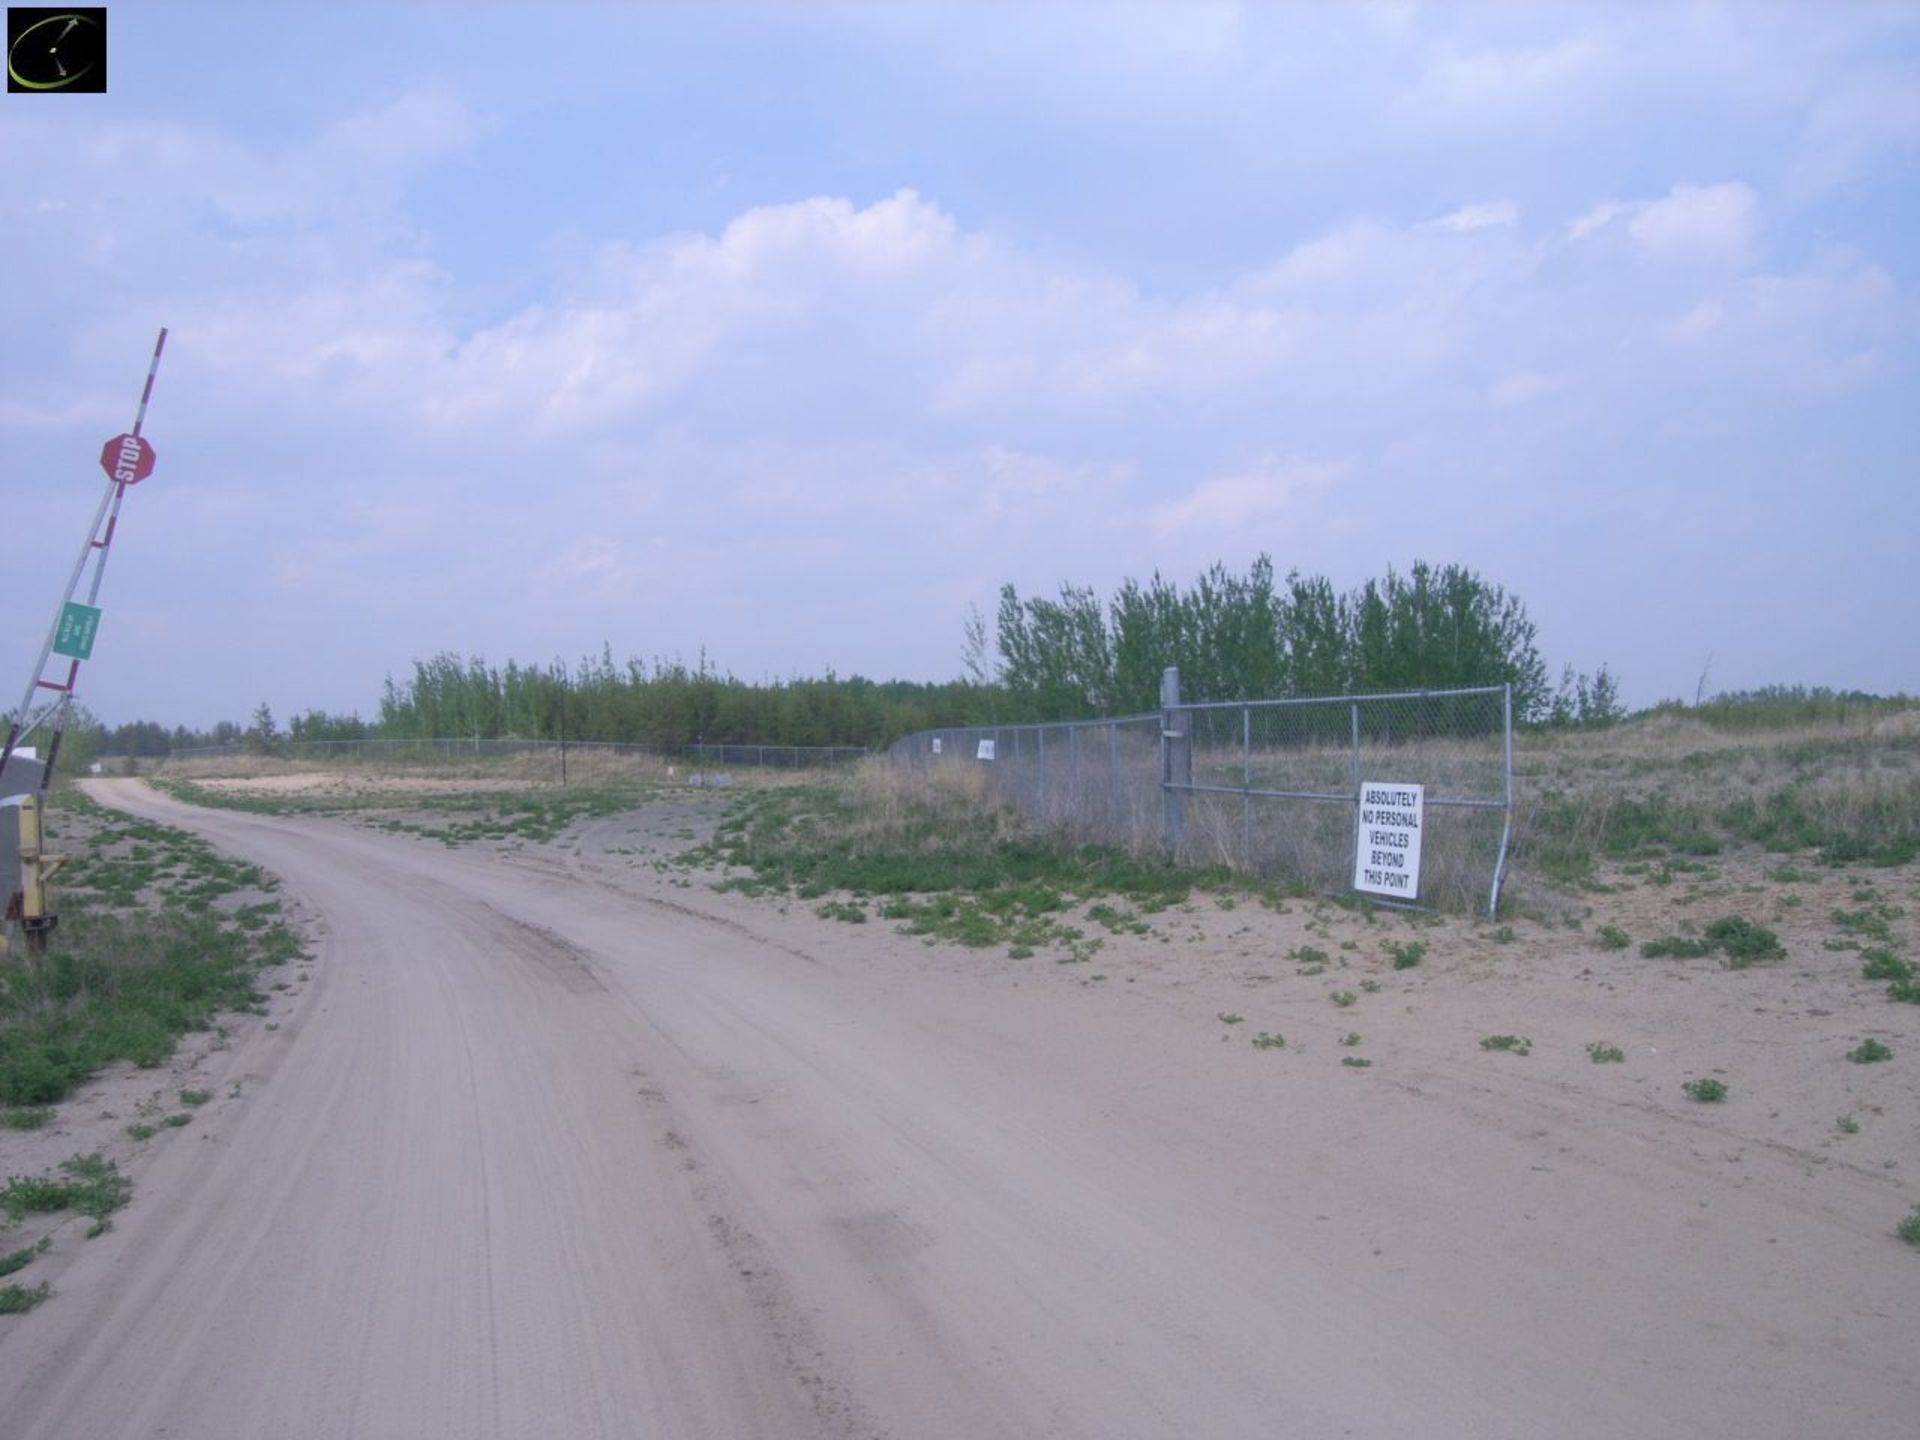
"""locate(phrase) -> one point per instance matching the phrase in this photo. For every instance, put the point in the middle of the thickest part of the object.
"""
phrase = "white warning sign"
(1386, 856)
(936, 744)
(985, 751)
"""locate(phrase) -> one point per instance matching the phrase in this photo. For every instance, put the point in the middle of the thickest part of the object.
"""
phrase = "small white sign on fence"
(936, 744)
(1386, 854)
(986, 750)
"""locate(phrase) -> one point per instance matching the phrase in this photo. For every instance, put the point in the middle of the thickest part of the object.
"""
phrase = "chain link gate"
(1269, 787)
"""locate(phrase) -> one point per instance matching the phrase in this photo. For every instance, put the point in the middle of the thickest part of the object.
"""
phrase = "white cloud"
(1229, 503)
(1862, 119)
(1713, 223)
(1597, 219)
(595, 569)
(1503, 214)
(1496, 84)
(1700, 322)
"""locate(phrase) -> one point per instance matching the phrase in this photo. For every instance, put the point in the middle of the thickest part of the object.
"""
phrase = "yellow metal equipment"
(23, 841)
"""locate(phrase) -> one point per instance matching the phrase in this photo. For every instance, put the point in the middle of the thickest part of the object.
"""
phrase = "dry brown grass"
(1673, 784)
(889, 802)
(421, 772)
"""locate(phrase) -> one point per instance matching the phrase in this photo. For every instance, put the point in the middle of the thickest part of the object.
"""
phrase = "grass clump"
(1905, 991)
(1736, 937)
(1343, 998)
(1707, 1092)
(1744, 942)
(1869, 1052)
(1355, 1062)
(1909, 1228)
(1881, 963)
(1309, 960)
(1117, 920)
(845, 911)
(19, 1259)
(1514, 1044)
(1847, 1125)
(90, 1184)
(195, 1097)
(1407, 954)
(1874, 922)
(26, 1117)
(1677, 947)
(1612, 937)
(1264, 1041)
(18, 1299)
(1603, 1053)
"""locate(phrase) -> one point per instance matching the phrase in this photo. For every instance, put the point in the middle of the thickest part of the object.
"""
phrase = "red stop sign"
(127, 458)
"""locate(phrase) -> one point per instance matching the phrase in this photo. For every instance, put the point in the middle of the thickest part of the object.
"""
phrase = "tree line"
(669, 704)
(1078, 656)
(1254, 635)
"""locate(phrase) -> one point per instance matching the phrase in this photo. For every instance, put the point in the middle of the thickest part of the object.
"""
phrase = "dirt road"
(543, 1154)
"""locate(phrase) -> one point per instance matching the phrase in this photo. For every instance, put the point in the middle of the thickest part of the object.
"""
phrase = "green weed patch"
(89, 1184)
(121, 980)
(1739, 939)
(18, 1299)
(966, 875)
(1883, 964)
(1676, 947)
(1744, 942)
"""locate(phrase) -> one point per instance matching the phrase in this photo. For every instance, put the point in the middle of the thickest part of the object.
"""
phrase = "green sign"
(78, 625)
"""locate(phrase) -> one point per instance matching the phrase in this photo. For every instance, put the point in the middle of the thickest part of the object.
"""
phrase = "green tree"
(262, 734)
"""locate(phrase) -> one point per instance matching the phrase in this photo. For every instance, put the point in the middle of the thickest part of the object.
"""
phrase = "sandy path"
(548, 1157)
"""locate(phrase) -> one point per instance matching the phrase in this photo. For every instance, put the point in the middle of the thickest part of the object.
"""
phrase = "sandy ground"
(552, 1145)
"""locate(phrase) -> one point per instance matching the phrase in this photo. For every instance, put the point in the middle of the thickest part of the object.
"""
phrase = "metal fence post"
(1506, 824)
(1017, 772)
(1176, 763)
(1040, 781)
(1246, 788)
(1355, 752)
(1073, 772)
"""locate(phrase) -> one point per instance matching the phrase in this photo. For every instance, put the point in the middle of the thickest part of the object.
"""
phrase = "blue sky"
(790, 331)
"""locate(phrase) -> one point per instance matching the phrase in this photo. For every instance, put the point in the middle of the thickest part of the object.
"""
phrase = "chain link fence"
(1273, 787)
(1095, 781)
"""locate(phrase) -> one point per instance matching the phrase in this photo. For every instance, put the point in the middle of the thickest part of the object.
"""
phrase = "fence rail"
(447, 749)
(1271, 787)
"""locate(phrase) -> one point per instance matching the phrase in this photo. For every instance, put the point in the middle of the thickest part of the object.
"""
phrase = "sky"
(786, 333)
